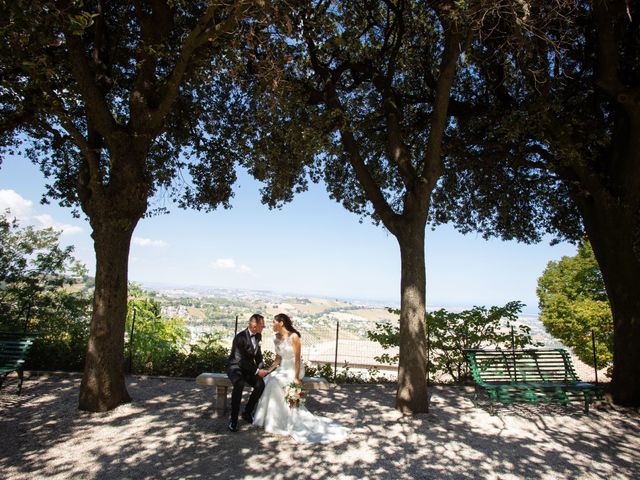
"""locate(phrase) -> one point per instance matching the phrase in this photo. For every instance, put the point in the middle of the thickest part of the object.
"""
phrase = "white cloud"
(147, 242)
(23, 210)
(47, 221)
(230, 264)
(224, 264)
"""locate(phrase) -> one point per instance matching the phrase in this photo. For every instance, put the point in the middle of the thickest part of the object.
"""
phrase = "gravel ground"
(168, 432)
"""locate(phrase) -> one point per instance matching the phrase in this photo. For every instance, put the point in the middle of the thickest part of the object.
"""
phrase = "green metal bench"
(14, 348)
(534, 376)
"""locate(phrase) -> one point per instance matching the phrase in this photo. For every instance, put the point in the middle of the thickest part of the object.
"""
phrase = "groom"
(245, 367)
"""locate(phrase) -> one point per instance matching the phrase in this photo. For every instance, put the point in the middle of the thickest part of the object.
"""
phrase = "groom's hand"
(262, 373)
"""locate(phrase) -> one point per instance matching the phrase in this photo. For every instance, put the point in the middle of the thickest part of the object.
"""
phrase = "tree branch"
(96, 104)
(607, 13)
(154, 30)
(206, 30)
(331, 100)
(432, 168)
(371, 188)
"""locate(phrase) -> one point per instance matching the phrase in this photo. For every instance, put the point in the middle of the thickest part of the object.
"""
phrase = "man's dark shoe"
(248, 417)
(233, 425)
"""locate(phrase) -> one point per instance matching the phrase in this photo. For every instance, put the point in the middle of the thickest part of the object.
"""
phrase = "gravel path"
(168, 432)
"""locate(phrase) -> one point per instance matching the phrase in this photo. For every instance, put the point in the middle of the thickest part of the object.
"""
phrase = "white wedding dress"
(273, 412)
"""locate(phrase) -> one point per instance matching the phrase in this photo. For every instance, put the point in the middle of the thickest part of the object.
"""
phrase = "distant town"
(320, 320)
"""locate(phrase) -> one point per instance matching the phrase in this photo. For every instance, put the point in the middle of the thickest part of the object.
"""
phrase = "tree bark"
(612, 230)
(411, 396)
(612, 213)
(114, 210)
(103, 387)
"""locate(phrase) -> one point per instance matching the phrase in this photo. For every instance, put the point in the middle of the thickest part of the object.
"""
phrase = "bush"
(207, 355)
(344, 374)
(450, 333)
(573, 303)
(38, 294)
(155, 345)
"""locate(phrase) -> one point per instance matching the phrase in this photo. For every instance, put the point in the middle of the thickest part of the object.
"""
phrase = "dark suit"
(242, 368)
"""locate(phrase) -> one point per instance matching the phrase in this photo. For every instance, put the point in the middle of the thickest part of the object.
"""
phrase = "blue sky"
(311, 246)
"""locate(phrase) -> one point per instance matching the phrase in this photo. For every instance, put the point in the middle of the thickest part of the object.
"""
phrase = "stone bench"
(222, 384)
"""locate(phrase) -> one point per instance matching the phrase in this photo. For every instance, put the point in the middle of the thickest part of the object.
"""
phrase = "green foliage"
(450, 333)
(156, 342)
(62, 340)
(160, 346)
(37, 282)
(324, 370)
(357, 69)
(171, 66)
(573, 303)
(268, 357)
(33, 270)
(206, 355)
(518, 123)
(344, 374)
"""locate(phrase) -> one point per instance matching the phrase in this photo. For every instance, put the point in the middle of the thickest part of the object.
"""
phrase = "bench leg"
(21, 377)
(492, 407)
(586, 402)
(221, 401)
(475, 398)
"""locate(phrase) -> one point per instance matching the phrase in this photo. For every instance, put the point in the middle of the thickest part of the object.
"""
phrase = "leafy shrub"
(573, 303)
(160, 346)
(207, 355)
(450, 333)
(323, 370)
(344, 374)
(39, 294)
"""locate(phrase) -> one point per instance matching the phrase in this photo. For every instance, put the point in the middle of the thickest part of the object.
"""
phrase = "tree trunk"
(613, 230)
(411, 396)
(103, 387)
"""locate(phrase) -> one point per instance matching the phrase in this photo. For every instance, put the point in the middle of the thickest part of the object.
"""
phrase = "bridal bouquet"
(294, 395)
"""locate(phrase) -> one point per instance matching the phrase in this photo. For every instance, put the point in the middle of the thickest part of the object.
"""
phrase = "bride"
(273, 413)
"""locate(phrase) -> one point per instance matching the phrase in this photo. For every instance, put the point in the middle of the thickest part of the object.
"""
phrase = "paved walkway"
(168, 432)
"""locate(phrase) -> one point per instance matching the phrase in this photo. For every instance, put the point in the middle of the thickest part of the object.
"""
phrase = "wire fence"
(343, 345)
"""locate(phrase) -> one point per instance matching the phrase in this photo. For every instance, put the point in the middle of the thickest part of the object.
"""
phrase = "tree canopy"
(106, 80)
(550, 144)
(34, 271)
(364, 103)
(573, 303)
(42, 292)
(112, 101)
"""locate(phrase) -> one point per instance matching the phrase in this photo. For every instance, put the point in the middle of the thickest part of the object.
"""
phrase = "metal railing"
(340, 344)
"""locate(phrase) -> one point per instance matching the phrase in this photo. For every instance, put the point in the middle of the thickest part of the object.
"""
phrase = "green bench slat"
(14, 348)
(529, 375)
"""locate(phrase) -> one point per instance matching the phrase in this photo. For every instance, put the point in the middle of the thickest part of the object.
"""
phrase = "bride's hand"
(297, 380)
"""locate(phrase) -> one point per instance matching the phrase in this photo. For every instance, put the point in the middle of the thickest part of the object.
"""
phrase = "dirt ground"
(168, 431)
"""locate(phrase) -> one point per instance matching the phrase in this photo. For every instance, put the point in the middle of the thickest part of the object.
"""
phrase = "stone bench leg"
(221, 400)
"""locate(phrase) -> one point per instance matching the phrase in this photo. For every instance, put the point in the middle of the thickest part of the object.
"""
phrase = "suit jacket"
(244, 360)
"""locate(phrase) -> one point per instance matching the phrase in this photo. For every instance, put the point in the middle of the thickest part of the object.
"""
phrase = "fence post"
(595, 358)
(335, 360)
(235, 332)
(513, 350)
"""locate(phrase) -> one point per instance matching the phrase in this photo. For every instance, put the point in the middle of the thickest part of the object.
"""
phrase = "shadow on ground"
(168, 431)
